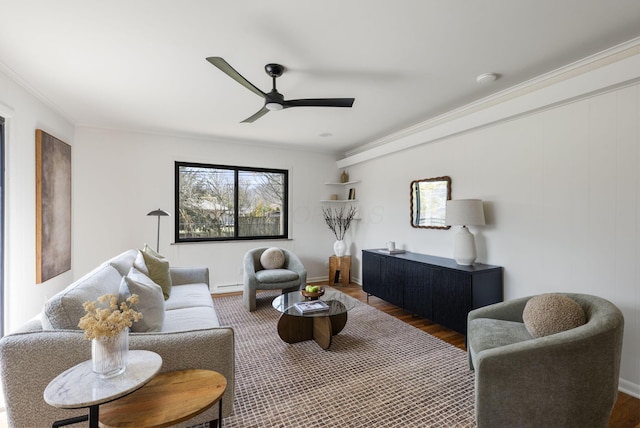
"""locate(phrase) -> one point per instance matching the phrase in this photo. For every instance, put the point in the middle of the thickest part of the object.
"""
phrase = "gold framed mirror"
(429, 198)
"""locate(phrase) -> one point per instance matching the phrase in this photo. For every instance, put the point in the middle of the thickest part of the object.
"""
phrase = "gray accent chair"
(567, 379)
(291, 277)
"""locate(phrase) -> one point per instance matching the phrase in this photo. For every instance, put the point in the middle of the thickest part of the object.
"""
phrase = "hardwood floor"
(626, 412)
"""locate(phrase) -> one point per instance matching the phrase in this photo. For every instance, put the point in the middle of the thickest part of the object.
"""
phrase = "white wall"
(24, 114)
(562, 198)
(120, 176)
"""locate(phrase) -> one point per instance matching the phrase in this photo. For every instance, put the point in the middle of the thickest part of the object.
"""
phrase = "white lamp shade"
(464, 212)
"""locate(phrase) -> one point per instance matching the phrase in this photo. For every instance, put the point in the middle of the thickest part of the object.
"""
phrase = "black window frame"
(236, 170)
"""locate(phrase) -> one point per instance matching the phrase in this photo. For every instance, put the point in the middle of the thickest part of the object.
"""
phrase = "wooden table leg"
(322, 331)
(294, 329)
(338, 322)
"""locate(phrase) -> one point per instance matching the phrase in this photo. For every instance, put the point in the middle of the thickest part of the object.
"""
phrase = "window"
(219, 202)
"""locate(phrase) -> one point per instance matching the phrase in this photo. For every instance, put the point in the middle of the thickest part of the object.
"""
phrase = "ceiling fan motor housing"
(274, 70)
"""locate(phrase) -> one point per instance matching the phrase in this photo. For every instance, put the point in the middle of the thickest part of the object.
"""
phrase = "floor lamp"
(160, 213)
(464, 212)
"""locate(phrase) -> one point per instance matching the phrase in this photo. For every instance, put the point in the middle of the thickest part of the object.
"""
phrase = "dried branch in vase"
(339, 220)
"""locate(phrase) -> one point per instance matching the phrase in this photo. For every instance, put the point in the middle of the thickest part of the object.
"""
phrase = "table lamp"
(160, 213)
(464, 212)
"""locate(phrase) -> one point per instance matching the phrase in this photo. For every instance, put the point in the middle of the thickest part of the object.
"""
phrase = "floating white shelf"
(342, 184)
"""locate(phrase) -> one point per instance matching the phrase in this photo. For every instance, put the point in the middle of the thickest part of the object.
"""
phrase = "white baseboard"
(326, 279)
(633, 389)
(226, 288)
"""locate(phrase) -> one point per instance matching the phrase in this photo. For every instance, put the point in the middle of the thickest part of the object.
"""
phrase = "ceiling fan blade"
(320, 102)
(256, 116)
(231, 72)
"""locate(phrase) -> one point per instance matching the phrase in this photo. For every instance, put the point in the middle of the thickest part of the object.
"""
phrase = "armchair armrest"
(510, 310)
(296, 265)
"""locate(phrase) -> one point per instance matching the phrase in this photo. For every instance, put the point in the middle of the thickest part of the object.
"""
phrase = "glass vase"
(109, 354)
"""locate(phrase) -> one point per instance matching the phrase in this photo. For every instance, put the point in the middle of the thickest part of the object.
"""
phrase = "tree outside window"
(217, 202)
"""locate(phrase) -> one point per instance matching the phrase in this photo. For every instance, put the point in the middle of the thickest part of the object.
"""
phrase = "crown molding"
(607, 70)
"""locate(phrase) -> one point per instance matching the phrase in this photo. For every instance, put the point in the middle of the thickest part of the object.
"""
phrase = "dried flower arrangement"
(101, 322)
(339, 220)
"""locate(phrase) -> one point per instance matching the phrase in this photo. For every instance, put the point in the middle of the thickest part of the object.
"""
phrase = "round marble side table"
(79, 387)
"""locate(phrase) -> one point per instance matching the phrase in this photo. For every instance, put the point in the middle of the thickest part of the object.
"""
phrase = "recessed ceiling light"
(486, 78)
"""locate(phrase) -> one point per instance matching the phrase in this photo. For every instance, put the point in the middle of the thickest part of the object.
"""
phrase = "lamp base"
(464, 247)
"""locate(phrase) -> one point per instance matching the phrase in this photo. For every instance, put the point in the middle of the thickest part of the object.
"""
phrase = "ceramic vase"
(109, 354)
(339, 248)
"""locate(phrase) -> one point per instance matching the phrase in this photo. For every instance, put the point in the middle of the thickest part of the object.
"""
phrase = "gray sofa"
(566, 379)
(191, 337)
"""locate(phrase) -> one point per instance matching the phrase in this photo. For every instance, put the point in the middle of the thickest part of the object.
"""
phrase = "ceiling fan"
(274, 100)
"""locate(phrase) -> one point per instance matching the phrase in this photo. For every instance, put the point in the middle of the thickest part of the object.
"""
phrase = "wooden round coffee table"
(168, 399)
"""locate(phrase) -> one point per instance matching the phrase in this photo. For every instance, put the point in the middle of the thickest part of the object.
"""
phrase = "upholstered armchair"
(565, 379)
(283, 271)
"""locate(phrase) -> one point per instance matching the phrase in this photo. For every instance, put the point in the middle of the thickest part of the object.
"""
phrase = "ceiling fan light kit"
(273, 106)
(274, 100)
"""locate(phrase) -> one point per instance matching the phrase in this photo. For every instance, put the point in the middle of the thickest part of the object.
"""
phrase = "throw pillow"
(151, 300)
(157, 269)
(147, 249)
(272, 258)
(552, 313)
(139, 263)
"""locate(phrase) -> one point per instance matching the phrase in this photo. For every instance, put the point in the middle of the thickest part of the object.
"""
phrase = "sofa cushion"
(188, 296)
(552, 313)
(64, 310)
(190, 319)
(271, 276)
(155, 268)
(151, 300)
(272, 258)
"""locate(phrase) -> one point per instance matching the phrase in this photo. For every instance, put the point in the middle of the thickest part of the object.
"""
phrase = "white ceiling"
(140, 65)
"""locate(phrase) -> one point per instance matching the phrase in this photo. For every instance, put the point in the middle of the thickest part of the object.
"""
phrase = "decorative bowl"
(312, 296)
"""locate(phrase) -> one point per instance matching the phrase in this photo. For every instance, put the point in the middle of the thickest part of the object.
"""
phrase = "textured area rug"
(379, 372)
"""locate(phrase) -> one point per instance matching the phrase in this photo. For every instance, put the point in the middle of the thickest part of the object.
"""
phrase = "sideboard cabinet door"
(382, 277)
(453, 294)
(418, 288)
